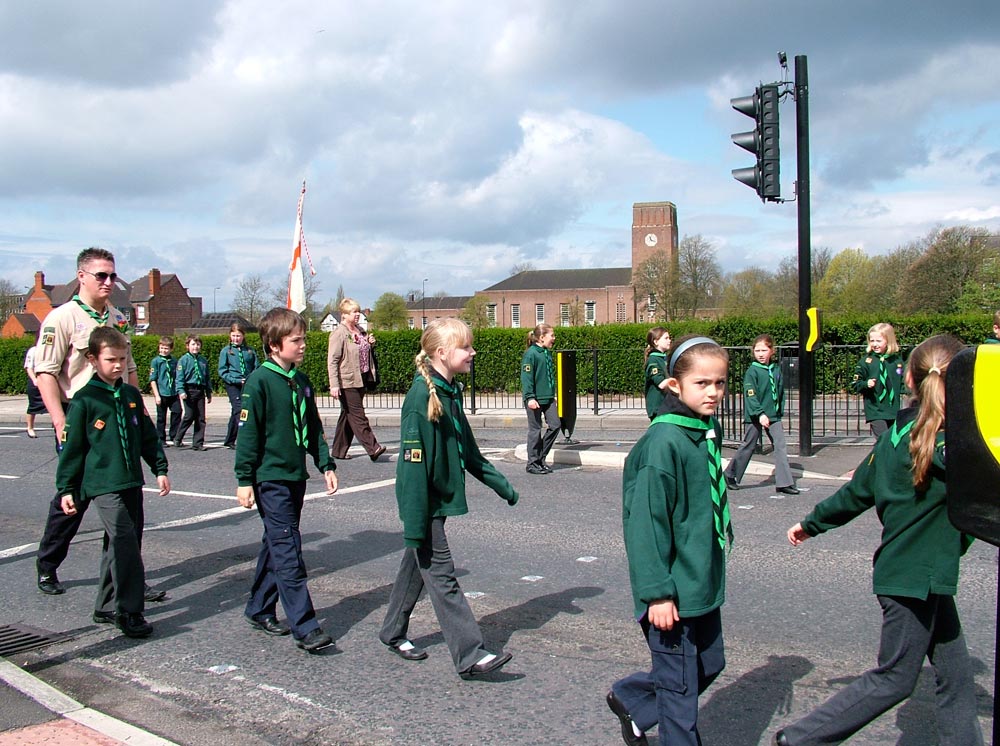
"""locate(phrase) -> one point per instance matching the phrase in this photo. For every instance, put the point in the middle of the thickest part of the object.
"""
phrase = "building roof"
(566, 279)
(28, 322)
(447, 302)
(60, 294)
(221, 320)
(140, 287)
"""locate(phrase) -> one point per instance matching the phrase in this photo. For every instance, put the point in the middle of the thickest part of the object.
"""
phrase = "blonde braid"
(434, 407)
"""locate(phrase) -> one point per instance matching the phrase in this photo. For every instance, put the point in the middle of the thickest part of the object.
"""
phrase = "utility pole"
(806, 360)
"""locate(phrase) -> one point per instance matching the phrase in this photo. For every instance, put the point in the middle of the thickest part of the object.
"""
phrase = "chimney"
(39, 281)
(154, 281)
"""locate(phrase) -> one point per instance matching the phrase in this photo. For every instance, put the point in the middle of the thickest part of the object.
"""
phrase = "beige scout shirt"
(62, 346)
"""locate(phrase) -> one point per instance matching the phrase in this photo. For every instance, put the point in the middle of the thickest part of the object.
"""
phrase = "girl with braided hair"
(437, 448)
(915, 574)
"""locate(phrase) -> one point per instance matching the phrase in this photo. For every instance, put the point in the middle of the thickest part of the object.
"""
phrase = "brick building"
(572, 297)
(162, 304)
(420, 312)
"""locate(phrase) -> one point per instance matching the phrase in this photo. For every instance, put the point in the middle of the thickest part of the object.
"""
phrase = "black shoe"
(229, 445)
(153, 594)
(546, 468)
(269, 624)
(535, 469)
(133, 625)
(481, 669)
(413, 654)
(197, 448)
(104, 617)
(793, 490)
(48, 583)
(315, 640)
(378, 452)
(178, 444)
(731, 484)
(628, 735)
(779, 738)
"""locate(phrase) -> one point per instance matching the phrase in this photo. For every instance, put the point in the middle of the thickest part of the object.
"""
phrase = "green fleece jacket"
(267, 449)
(536, 367)
(869, 367)
(93, 461)
(920, 549)
(433, 460)
(668, 518)
(656, 373)
(757, 396)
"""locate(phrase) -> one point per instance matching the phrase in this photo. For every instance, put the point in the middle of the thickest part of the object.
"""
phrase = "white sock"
(485, 659)
(405, 645)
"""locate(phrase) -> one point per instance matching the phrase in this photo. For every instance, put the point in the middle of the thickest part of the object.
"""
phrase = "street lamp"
(213, 298)
(423, 304)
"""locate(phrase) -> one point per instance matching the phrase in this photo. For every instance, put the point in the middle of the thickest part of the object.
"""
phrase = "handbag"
(370, 377)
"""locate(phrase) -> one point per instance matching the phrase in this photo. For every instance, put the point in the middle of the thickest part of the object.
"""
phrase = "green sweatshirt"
(93, 461)
(536, 368)
(920, 549)
(433, 459)
(656, 373)
(230, 370)
(267, 449)
(192, 370)
(668, 519)
(163, 370)
(757, 396)
(868, 367)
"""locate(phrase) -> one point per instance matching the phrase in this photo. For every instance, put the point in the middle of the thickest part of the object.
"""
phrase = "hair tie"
(934, 369)
(684, 347)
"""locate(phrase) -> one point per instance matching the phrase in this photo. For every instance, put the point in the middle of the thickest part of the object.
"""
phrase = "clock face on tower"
(651, 239)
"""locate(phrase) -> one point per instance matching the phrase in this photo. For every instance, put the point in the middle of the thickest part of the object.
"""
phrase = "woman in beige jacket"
(348, 360)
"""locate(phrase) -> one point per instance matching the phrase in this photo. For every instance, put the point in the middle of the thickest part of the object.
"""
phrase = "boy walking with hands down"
(106, 434)
(279, 425)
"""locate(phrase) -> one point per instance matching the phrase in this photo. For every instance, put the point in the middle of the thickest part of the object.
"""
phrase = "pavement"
(45, 715)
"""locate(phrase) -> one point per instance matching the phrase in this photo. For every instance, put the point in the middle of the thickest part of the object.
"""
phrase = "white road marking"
(8, 476)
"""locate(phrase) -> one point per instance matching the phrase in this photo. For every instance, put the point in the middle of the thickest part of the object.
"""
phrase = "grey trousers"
(911, 630)
(539, 445)
(122, 576)
(431, 564)
(782, 472)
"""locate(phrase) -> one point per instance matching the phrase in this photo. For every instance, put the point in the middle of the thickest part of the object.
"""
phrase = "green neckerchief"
(197, 369)
(100, 318)
(298, 403)
(116, 390)
(243, 364)
(897, 433)
(883, 379)
(770, 374)
(550, 367)
(455, 412)
(720, 500)
(168, 372)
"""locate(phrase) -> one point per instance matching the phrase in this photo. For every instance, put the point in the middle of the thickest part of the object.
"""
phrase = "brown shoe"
(378, 452)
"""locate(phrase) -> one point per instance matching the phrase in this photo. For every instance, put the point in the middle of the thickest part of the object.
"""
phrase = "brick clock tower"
(654, 228)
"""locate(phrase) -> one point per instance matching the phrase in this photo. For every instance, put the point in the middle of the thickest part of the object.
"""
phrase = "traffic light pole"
(807, 368)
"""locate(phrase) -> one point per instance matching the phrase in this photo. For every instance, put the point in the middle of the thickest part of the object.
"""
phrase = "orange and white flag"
(296, 277)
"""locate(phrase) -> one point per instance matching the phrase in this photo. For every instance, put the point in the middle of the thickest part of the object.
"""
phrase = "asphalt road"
(550, 584)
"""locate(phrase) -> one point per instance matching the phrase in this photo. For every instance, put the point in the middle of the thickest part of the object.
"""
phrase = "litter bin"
(790, 365)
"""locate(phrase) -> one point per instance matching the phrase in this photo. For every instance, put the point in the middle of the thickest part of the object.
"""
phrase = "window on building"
(140, 312)
(651, 302)
(590, 312)
(515, 315)
(423, 323)
(410, 322)
(564, 314)
(620, 316)
(539, 313)
(491, 313)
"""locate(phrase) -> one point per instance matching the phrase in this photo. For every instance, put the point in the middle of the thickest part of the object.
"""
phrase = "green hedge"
(619, 346)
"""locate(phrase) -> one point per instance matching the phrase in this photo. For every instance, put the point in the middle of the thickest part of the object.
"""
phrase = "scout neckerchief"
(298, 404)
(100, 318)
(455, 412)
(720, 501)
(770, 374)
(167, 372)
(883, 379)
(897, 433)
(550, 368)
(116, 391)
(197, 369)
(243, 364)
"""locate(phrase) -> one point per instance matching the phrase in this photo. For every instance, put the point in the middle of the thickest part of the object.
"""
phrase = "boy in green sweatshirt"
(106, 434)
(279, 426)
(194, 386)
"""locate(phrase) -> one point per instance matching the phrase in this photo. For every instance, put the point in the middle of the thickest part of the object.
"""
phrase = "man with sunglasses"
(61, 368)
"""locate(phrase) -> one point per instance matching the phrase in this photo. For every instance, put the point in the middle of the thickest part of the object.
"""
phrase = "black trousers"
(235, 393)
(170, 404)
(194, 412)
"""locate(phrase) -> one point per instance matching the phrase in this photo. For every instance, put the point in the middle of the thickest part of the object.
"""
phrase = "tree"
(251, 300)
(658, 278)
(750, 292)
(339, 298)
(476, 313)
(576, 308)
(700, 276)
(522, 267)
(937, 279)
(821, 259)
(11, 300)
(845, 286)
(389, 312)
(311, 286)
(982, 295)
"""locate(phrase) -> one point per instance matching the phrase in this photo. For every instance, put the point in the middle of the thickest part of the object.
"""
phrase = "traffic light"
(762, 141)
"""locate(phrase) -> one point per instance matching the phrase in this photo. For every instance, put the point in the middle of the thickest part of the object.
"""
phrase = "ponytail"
(537, 333)
(447, 333)
(434, 406)
(928, 366)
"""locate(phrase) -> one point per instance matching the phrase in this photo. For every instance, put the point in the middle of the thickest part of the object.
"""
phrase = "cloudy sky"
(451, 140)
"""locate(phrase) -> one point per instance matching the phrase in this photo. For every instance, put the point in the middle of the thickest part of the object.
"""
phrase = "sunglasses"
(102, 277)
